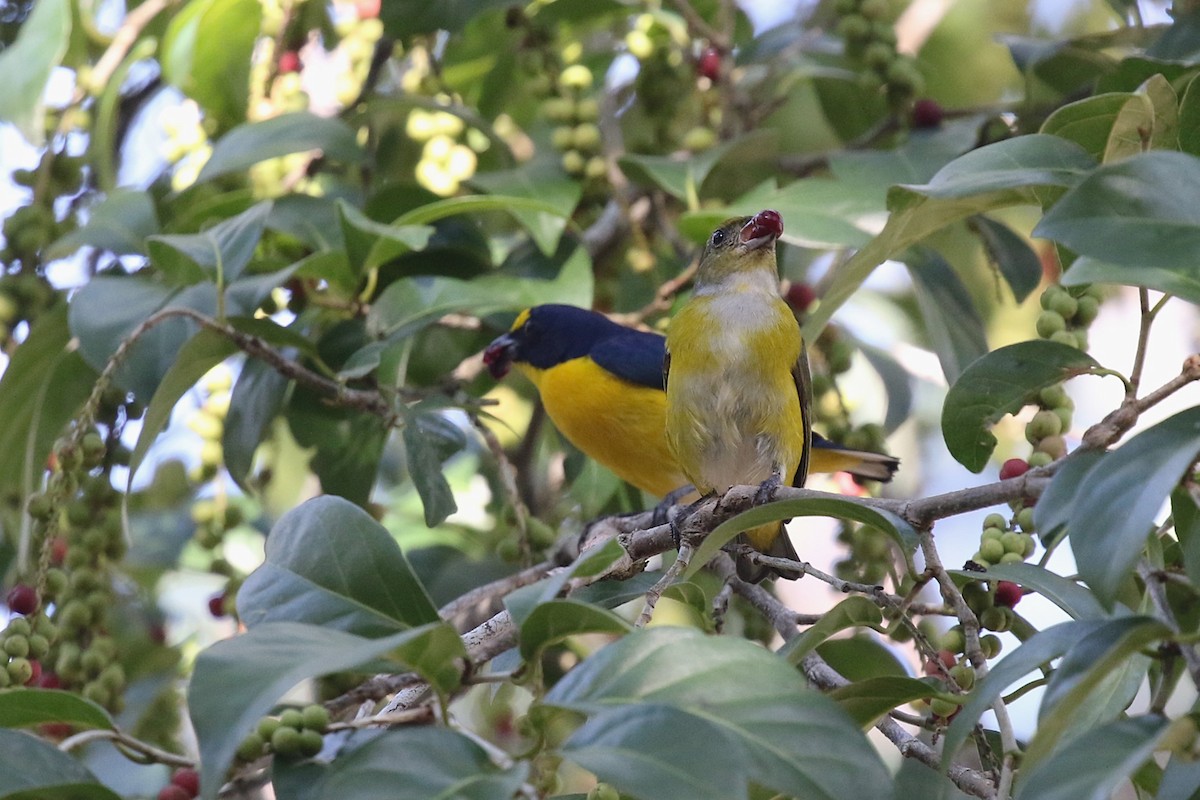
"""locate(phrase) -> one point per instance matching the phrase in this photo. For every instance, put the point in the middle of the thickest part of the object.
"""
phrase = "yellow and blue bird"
(738, 386)
(602, 386)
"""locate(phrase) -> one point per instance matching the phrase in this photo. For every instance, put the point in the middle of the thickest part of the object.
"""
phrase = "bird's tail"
(827, 456)
(771, 540)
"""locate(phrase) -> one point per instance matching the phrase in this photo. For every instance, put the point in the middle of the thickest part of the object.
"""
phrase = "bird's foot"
(662, 511)
(768, 489)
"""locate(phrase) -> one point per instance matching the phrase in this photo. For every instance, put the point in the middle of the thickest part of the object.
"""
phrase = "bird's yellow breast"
(733, 412)
(618, 423)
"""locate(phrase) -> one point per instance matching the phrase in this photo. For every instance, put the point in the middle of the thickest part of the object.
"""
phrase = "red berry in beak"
(498, 356)
(763, 228)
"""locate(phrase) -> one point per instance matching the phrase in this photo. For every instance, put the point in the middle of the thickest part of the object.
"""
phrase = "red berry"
(709, 65)
(1013, 468)
(367, 9)
(946, 659)
(22, 599)
(48, 680)
(58, 550)
(927, 113)
(55, 730)
(800, 296)
(188, 780)
(35, 677)
(1008, 594)
(216, 605)
(289, 62)
(173, 792)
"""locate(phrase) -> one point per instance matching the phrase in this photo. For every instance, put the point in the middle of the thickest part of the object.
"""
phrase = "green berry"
(98, 693)
(311, 743)
(18, 626)
(587, 110)
(39, 646)
(20, 671)
(952, 640)
(1066, 416)
(854, 27)
(1037, 459)
(586, 137)
(1065, 337)
(113, 677)
(1044, 424)
(573, 163)
(1053, 396)
(315, 718)
(699, 139)
(993, 533)
(1088, 310)
(1054, 446)
(40, 507)
(942, 708)
(576, 77)
(992, 550)
(250, 748)
(994, 520)
(5, 680)
(1065, 305)
(286, 742)
(1025, 519)
(1051, 292)
(603, 791)
(990, 645)
(558, 109)
(994, 619)
(292, 718)
(1050, 323)
(878, 56)
(874, 9)
(1030, 544)
(16, 646)
(562, 137)
(1012, 558)
(267, 727)
(596, 168)
(1012, 542)
(963, 674)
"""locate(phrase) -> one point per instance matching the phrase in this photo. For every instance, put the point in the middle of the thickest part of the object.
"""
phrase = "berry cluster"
(870, 39)
(575, 110)
(1004, 541)
(870, 558)
(445, 161)
(296, 733)
(1067, 312)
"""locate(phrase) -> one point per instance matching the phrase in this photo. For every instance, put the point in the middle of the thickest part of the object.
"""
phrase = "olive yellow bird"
(738, 393)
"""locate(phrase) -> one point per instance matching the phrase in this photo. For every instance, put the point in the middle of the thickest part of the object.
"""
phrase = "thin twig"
(664, 583)
(121, 738)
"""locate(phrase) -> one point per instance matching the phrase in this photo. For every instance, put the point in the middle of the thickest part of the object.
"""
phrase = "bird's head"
(740, 245)
(544, 336)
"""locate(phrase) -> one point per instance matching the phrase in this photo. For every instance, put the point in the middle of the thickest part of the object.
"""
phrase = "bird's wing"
(801, 376)
(634, 356)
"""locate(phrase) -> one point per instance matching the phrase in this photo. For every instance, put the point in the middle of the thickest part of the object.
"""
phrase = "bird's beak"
(498, 357)
(762, 230)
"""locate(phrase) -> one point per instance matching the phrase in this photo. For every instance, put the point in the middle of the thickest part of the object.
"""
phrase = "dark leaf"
(1091, 766)
(33, 768)
(257, 399)
(853, 612)
(868, 700)
(1057, 503)
(296, 132)
(20, 708)
(555, 620)
(429, 439)
(118, 224)
(949, 313)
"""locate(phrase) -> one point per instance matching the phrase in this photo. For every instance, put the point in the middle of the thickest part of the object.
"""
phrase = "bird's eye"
(717, 237)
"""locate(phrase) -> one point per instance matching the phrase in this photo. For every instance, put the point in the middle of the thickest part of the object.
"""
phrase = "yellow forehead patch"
(521, 319)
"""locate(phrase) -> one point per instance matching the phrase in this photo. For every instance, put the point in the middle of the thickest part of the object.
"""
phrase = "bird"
(601, 384)
(737, 378)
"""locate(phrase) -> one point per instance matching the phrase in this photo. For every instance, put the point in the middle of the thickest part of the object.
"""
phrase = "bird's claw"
(768, 489)
(662, 511)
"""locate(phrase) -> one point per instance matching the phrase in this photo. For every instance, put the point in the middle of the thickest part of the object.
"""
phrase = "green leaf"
(118, 224)
(330, 563)
(218, 254)
(203, 352)
(820, 505)
(1189, 118)
(33, 768)
(796, 740)
(1131, 129)
(373, 244)
(860, 658)
(656, 751)
(866, 701)
(1140, 212)
(1018, 263)
(853, 612)
(1034, 652)
(1164, 102)
(348, 444)
(998, 384)
(555, 620)
(1063, 592)
(21, 707)
(429, 439)
(1057, 503)
(412, 17)
(207, 51)
(27, 64)
(257, 399)
(41, 389)
(949, 313)
(1180, 780)
(1085, 666)
(238, 680)
(1183, 283)
(1186, 515)
(1089, 122)
(435, 762)
(1119, 498)
(297, 132)
(1091, 766)
(1022, 170)
(540, 181)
